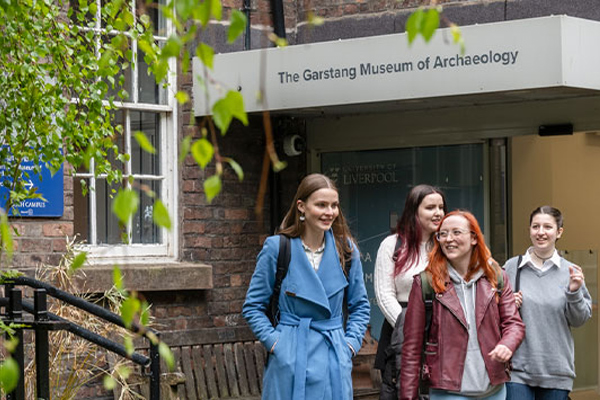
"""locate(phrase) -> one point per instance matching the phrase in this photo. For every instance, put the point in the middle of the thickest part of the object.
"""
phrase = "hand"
(519, 299)
(575, 278)
(501, 353)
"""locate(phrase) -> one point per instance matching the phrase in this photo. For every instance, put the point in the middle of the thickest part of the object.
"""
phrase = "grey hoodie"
(475, 379)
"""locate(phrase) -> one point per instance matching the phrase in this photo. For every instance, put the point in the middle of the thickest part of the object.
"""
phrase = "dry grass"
(76, 364)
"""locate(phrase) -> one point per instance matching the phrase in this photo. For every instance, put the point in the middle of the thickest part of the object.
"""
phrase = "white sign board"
(556, 51)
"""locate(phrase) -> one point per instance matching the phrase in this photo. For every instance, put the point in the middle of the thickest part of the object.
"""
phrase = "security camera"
(293, 145)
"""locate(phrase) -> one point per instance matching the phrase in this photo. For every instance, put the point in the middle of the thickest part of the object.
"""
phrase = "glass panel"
(108, 230)
(148, 90)
(373, 186)
(143, 228)
(498, 201)
(143, 162)
(152, 9)
(81, 209)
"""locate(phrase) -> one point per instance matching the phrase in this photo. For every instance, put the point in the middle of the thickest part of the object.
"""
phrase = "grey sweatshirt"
(475, 379)
(546, 358)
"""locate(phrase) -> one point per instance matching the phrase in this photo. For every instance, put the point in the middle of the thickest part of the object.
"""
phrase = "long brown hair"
(409, 229)
(481, 257)
(293, 227)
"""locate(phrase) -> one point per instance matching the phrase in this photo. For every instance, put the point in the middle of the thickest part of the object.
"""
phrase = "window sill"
(169, 276)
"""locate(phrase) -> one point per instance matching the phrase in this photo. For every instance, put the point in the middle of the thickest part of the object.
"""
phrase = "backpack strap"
(283, 262)
(427, 292)
(345, 312)
(518, 276)
(500, 282)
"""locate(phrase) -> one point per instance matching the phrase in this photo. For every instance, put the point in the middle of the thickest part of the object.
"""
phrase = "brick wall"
(39, 240)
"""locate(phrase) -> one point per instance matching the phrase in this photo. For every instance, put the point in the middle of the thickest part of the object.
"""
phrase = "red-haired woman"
(399, 258)
(475, 326)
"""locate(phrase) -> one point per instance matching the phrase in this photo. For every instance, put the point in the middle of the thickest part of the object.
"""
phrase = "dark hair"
(409, 228)
(554, 212)
(481, 257)
(293, 227)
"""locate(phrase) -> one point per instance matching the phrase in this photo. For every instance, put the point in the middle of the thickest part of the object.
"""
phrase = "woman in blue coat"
(311, 348)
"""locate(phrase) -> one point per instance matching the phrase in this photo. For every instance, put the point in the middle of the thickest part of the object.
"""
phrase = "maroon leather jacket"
(446, 349)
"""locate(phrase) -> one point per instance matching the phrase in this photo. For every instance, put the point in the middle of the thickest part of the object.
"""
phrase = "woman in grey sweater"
(544, 366)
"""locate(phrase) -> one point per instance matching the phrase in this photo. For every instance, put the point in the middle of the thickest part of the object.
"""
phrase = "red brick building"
(196, 276)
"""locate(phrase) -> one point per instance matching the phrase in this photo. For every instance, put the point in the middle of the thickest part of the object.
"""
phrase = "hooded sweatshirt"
(475, 379)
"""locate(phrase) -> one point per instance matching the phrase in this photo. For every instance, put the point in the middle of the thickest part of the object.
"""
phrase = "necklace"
(542, 259)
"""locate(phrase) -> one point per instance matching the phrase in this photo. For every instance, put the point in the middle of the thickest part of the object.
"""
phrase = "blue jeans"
(435, 394)
(519, 391)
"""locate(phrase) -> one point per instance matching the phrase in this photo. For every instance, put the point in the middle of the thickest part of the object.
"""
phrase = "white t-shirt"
(390, 290)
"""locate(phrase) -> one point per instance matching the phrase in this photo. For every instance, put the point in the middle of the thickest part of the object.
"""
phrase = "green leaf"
(5, 236)
(185, 148)
(171, 48)
(430, 23)
(215, 8)
(125, 204)
(315, 20)
(237, 26)
(78, 262)
(124, 371)
(182, 97)
(128, 343)
(184, 8)
(144, 143)
(212, 187)
(167, 355)
(129, 308)
(118, 278)
(160, 215)
(109, 382)
(9, 375)
(206, 54)
(279, 166)
(202, 151)
(11, 344)
(224, 110)
(236, 167)
(414, 24)
(202, 13)
(145, 314)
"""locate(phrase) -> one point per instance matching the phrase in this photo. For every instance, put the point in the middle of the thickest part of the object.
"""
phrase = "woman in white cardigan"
(400, 257)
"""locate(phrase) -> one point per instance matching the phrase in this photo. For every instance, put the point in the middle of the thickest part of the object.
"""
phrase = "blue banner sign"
(49, 186)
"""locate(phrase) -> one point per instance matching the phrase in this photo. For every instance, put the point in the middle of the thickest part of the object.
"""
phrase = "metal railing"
(45, 321)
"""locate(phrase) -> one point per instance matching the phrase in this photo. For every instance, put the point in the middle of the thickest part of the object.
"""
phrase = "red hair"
(481, 257)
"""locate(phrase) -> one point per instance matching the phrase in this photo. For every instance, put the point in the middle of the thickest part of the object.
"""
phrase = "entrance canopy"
(546, 58)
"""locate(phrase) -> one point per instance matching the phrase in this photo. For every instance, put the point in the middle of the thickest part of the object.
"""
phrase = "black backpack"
(283, 263)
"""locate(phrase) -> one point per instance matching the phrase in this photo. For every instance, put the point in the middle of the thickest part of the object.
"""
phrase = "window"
(148, 109)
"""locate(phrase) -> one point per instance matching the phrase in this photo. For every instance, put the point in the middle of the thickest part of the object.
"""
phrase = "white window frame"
(134, 253)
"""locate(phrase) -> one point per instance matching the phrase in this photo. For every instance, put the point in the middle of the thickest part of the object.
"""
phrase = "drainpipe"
(278, 18)
(247, 11)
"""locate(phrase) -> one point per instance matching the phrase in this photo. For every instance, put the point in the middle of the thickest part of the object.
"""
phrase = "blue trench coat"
(311, 359)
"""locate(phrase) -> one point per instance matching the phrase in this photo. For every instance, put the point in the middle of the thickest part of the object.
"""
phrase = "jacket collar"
(316, 287)
(484, 295)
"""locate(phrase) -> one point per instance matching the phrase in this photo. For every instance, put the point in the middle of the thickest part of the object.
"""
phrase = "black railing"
(44, 321)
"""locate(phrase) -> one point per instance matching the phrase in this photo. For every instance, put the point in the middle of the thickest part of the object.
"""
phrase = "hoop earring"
(302, 218)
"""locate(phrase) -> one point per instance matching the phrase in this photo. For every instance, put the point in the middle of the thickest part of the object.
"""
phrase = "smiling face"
(543, 233)
(430, 213)
(320, 209)
(457, 241)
